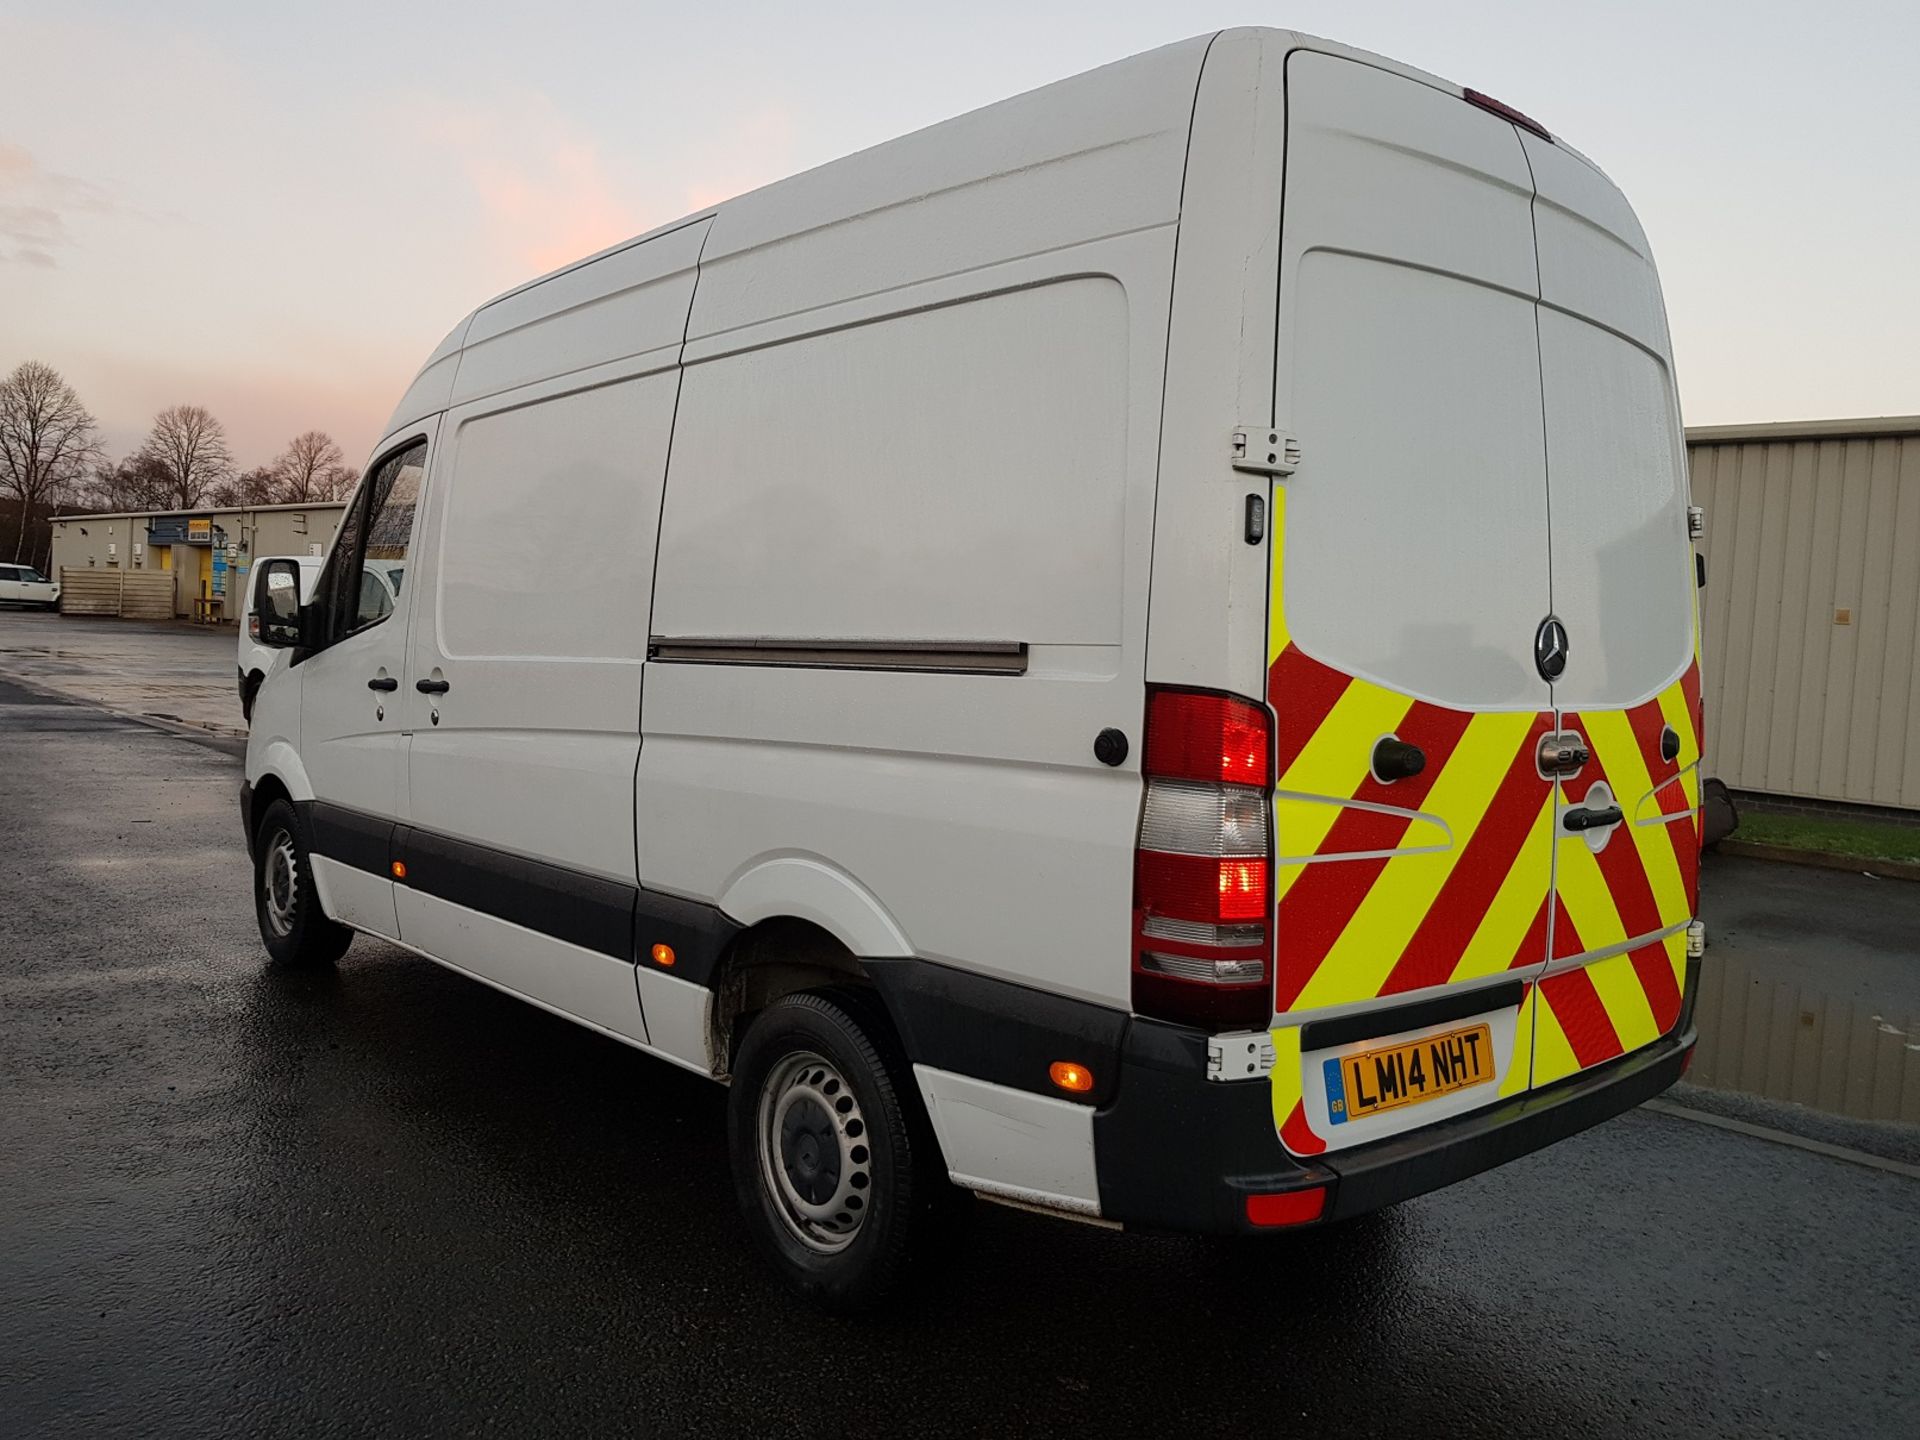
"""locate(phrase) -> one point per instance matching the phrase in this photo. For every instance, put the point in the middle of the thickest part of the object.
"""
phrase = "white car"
(256, 659)
(1131, 653)
(24, 585)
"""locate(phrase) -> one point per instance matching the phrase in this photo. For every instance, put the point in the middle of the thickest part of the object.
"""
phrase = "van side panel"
(1019, 521)
(531, 606)
(921, 406)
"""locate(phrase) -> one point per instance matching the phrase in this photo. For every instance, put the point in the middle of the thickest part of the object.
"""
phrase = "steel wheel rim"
(280, 883)
(816, 1158)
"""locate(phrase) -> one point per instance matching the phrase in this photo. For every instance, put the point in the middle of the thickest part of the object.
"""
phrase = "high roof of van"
(1083, 112)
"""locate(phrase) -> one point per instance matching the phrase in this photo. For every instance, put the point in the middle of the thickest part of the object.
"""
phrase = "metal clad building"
(1812, 607)
(208, 552)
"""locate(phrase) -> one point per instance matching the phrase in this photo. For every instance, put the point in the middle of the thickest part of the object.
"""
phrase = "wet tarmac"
(387, 1200)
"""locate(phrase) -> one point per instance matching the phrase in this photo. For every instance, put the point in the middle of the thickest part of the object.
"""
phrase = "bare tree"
(190, 448)
(258, 486)
(311, 468)
(137, 483)
(47, 440)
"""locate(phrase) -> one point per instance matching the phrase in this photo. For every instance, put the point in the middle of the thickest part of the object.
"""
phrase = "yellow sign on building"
(200, 532)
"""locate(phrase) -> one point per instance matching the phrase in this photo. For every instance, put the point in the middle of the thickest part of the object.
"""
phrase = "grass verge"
(1832, 837)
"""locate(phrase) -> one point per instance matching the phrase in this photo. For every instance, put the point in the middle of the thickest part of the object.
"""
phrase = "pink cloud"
(34, 205)
(543, 186)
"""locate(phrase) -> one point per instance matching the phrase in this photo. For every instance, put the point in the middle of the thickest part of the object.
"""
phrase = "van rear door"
(1411, 577)
(1623, 587)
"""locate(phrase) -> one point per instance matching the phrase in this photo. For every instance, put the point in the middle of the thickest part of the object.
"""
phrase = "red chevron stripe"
(1583, 1019)
(1295, 1135)
(1322, 901)
(1302, 692)
(1491, 852)
(1670, 797)
(1620, 863)
(1655, 970)
(1696, 708)
(1533, 945)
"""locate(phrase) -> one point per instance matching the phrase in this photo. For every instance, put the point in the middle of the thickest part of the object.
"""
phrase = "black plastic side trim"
(246, 815)
(997, 1031)
(584, 910)
(1165, 1148)
(350, 836)
(1346, 1029)
(699, 935)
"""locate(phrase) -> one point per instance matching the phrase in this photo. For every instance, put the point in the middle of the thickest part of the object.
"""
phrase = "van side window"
(370, 553)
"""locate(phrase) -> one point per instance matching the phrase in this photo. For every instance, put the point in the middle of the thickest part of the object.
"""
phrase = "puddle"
(1777, 1037)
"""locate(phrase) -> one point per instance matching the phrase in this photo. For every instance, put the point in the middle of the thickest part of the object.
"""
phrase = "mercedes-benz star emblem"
(1550, 648)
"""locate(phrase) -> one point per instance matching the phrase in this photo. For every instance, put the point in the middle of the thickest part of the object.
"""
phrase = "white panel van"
(1132, 653)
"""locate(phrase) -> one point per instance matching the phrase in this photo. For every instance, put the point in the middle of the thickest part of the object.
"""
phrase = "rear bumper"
(1176, 1151)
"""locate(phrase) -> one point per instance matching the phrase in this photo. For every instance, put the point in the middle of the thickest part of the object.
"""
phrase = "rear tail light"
(1203, 871)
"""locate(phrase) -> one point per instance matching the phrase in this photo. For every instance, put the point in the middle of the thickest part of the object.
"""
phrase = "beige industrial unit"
(147, 541)
(1812, 607)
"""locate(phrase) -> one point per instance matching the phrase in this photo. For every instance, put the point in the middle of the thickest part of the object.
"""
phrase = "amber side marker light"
(663, 955)
(399, 868)
(1291, 1207)
(1069, 1076)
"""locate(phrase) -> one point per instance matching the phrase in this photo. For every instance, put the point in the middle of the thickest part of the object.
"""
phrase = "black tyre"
(292, 925)
(834, 1164)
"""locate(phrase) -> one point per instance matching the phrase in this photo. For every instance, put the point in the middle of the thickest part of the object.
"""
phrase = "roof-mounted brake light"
(1507, 112)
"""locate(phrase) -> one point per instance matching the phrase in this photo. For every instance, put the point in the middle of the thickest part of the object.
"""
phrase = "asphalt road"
(388, 1200)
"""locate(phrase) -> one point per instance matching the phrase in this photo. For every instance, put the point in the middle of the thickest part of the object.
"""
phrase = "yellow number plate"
(1375, 1081)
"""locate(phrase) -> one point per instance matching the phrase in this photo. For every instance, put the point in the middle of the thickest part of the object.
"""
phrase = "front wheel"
(292, 925)
(835, 1167)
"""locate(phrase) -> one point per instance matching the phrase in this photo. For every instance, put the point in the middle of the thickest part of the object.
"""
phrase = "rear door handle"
(432, 687)
(1583, 819)
(383, 682)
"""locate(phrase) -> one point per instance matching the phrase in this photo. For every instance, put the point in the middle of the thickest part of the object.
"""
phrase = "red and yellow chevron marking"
(1457, 873)
(1442, 887)
(1645, 881)
(1606, 1008)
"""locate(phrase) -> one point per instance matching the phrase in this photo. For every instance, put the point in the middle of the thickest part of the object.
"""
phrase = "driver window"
(372, 545)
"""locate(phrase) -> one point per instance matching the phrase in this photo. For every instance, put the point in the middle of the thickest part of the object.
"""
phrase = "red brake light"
(1202, 895)
(1194, 736)
(1198, 887)
(1290, 1207)
(1507, 112)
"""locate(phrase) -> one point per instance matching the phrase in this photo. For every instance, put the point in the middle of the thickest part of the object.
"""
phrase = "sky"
(277, 210)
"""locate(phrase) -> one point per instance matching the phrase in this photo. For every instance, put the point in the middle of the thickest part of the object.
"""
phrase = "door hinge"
(1264, 450)
(1696, 522)
(1244, 1056)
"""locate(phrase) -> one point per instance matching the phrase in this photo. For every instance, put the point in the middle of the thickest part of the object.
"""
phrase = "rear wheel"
(835, 1167)
(292, 925)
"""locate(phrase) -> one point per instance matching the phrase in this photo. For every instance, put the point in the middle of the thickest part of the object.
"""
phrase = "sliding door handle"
(383, 682)
(432, 687)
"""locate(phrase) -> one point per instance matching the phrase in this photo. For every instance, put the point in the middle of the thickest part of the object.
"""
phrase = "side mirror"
(277, 615)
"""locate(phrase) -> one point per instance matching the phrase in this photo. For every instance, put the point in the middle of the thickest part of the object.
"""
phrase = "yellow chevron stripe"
(1625, 1000)
(1333, 763)
(1553, 1057)
(1358, 963)
(1677, 957)
(1673, 709)
(1277, 633)
(1286, 1072)
(1498, 935)
(1520, 1073)
(1611, 735)
(1584, 890)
